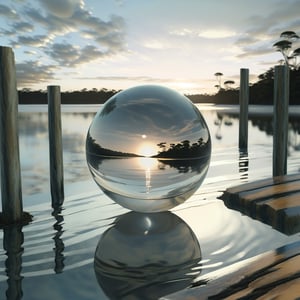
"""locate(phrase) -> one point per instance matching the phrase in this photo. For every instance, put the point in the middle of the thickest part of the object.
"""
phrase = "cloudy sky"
(117, 44)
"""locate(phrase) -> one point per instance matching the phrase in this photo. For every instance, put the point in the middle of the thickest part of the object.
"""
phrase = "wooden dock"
(274, 201)
(271, 275)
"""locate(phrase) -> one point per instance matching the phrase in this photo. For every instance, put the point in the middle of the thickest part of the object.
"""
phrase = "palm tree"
(285, 45)
(218, 77)
(290, 35)
(228, 84)
(295, 56)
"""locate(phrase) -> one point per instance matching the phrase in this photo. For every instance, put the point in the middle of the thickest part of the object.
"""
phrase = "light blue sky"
(117, 44)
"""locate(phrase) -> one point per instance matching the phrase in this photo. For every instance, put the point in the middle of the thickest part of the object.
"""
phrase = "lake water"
(95, 249)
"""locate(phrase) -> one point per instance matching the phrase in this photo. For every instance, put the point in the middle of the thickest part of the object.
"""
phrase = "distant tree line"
(261, 92)
(183, 149)
(84, 96)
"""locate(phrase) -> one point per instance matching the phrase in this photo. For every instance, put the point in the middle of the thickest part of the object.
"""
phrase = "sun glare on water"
(146, 148)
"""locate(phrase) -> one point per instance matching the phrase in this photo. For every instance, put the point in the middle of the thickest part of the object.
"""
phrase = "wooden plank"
(263, 182)
(289, 220)
(249, 200)
(267, 276)
(276, 204)
(269, 211)
(270, 191)
(290, 290)
(281, 202)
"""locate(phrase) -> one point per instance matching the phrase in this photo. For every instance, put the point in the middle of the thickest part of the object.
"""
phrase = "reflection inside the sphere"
(134, 122)
(148, 184)
(146, 256)
(147, 164)
(146, 148)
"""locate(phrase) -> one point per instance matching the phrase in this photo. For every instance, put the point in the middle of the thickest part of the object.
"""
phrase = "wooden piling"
(12, 207)
(55, 146)
(244, 101)
(280, 121)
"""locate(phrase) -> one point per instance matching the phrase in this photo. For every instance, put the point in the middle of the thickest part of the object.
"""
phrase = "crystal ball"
(148, 148)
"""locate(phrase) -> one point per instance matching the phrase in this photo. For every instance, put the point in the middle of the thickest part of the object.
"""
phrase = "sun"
(147, 150)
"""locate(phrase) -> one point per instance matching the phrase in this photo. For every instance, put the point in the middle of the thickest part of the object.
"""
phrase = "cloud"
(155, 44)
(183, 32)
(82, 22)
(61, 9)
(46, 29)
(30, 52)
(29, 72)
(48, 22)
(211, 33)
(8, 12)
(216, 33)
(7, 33)
(67, 55)
(143, 79)
(60, 19)
(257, 51)
(32, 41)
(265, 30)
(130, 78)
(90, 53)
(108, 35)
(17, 28)
(22, 27)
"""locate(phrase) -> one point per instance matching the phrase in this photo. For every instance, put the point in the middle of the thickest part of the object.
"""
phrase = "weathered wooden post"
(280, 125)
(11, 189)
(244, 101)
(55, 146)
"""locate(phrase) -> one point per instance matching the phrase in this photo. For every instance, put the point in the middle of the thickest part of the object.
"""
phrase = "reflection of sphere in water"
(148, 148)
(147, 256)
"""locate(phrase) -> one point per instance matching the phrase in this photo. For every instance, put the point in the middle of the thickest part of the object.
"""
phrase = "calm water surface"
(95, 249)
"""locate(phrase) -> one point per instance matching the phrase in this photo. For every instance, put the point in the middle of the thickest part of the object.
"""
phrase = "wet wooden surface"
(274, 201)
(272, 275)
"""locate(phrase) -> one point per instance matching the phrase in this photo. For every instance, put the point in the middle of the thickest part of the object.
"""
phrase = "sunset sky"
(116, 44)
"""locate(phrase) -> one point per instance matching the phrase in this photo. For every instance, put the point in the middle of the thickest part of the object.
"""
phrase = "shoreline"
(222, 109)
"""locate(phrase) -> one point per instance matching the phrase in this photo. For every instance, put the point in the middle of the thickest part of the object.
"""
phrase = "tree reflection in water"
(263, 123)
(140, 183)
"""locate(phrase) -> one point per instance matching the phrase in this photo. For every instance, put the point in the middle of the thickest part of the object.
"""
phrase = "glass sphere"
(148, 148)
